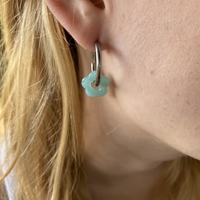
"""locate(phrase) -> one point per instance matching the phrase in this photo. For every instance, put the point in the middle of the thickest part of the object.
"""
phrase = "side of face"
(154, 56)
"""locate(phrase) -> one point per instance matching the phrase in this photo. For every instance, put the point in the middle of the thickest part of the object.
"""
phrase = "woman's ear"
(83, 19)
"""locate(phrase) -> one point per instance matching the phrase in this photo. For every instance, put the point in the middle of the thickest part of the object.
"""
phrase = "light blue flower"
(90, 90)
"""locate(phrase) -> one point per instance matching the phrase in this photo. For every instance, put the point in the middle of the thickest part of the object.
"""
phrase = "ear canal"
(98, 3)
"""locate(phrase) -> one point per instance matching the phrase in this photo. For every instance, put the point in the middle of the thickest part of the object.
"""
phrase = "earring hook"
(96, 63)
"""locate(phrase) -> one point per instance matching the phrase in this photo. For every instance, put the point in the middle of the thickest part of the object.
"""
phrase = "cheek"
(166, 106)
(171, 89)
(165, 102)
(172, 103)
(161, 88)
(157, 70)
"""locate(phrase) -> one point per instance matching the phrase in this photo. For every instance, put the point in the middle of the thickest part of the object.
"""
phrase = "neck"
(137, 185)
(122, 160)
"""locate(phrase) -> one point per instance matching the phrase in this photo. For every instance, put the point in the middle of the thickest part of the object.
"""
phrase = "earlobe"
(82, 19)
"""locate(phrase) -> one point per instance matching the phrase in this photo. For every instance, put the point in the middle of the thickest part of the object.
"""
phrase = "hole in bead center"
(93, 85)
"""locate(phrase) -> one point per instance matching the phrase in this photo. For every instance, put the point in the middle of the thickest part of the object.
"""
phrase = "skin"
(151, 114)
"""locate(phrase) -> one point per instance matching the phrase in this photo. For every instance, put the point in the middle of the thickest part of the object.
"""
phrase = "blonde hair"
(41, 112)
(40, 104)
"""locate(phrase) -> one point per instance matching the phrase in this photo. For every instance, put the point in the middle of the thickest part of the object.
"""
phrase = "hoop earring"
(95, 84)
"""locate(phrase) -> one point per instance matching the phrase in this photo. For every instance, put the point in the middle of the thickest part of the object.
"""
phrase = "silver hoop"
(96, 63)
(95, 84)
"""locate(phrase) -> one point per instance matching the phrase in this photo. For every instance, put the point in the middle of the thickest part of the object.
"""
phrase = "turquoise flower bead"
(92, 91)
